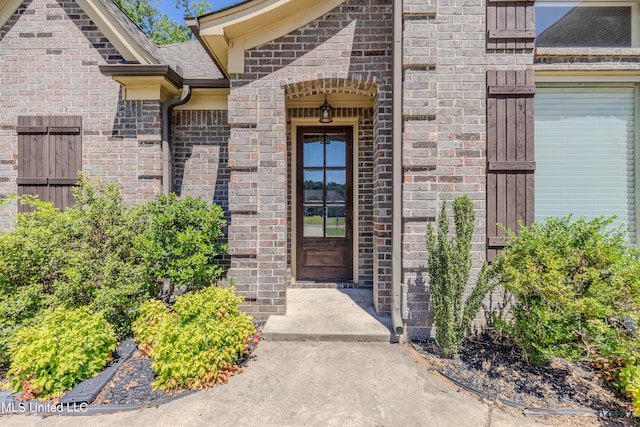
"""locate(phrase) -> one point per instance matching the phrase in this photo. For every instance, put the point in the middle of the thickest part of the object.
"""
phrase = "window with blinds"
(585, 153)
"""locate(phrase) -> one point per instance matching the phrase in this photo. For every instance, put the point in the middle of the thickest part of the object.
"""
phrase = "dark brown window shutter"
(510, 153)
(49, 157)
(510, 24)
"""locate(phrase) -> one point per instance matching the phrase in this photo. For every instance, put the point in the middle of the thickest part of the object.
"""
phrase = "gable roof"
(586, 26)
(132, 43)
(131, 29)
(128, 39)
(164, 69)
(229, 32)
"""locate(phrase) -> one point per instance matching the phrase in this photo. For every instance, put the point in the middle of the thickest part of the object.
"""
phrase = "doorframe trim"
(313, 121)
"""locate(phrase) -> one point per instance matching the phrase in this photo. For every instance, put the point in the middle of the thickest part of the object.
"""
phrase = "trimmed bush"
(449, 269)
(84, 256)
(197, 342)
(103, 254)
(63, 348)
(182, 240)
(577, 289)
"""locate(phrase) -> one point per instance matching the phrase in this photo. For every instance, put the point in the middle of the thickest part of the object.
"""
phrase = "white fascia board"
(233, 31)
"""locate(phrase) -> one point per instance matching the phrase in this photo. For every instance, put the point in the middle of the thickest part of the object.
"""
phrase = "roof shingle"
(190, 60)
(132, 29)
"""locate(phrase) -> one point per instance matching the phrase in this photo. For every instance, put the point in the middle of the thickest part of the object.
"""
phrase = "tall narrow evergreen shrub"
(449, 269)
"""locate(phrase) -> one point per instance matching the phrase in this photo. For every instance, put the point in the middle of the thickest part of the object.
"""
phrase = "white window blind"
(584, 148)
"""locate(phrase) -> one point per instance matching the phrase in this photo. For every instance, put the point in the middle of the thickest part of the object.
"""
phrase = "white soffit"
(7, 9)
(230, 32)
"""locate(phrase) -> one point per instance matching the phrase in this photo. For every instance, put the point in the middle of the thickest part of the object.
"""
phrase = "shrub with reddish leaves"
(197, 342)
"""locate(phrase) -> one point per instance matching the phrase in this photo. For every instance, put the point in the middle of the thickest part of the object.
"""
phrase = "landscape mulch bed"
(132, 383)
(496, 368)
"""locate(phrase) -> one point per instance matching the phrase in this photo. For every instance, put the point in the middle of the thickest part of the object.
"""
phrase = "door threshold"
(323, 284)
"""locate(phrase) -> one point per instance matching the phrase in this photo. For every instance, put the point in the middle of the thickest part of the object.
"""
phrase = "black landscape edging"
(529, 410)
(87, 390)
(78, 400)
(532, 410)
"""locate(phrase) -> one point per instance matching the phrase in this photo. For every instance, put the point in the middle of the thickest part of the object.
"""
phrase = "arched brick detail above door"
(353, 86)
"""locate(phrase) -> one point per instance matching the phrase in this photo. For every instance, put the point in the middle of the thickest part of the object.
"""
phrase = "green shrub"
(150, 325)
(576, 286)
(197, 342)
(629, 383)
(103, 254)
(63, 348)
(182, 240)
(623, 375)
(449, 268)
(83, 256)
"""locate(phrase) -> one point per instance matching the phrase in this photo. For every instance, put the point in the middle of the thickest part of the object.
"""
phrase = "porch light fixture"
(325, 112)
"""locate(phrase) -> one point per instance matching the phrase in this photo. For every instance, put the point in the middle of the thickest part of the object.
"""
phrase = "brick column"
(382, 200)
(258, 197)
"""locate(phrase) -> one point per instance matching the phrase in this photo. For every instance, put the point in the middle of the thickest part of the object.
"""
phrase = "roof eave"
(228, 33)
(143, 70)
(140, 82)
(194, 25)
(126, 45)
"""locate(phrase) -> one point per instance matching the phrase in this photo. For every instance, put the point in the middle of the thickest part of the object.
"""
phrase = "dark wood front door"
(324, 203)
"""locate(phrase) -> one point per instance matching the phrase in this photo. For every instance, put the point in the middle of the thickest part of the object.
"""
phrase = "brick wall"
(49, 57)
(444, 147)
(444, 131)
(200, 156)
(350, 44)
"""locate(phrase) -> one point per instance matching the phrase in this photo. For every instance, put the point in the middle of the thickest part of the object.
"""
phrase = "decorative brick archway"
(351, 85)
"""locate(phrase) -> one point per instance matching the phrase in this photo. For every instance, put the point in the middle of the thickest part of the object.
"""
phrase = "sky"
(168, 7)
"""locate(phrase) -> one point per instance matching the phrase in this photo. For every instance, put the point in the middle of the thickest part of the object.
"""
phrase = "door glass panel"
(335, 221)
(313, 186)
(313, 152)
(337, 151)
(313, 218)
(336, 185)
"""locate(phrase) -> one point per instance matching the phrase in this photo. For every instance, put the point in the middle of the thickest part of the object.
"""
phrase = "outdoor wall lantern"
(325, 112)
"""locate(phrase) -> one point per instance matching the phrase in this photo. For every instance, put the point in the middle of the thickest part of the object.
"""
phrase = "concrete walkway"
(318, 380)
(329, 315)
(315, 384)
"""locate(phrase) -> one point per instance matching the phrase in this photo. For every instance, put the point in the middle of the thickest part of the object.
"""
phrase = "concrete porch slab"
(329, 315)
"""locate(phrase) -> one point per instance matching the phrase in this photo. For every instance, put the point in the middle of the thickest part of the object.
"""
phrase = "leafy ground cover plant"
(622, 374)
(449, 270)
(629, 383)
(196, 342)
(63, 348)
